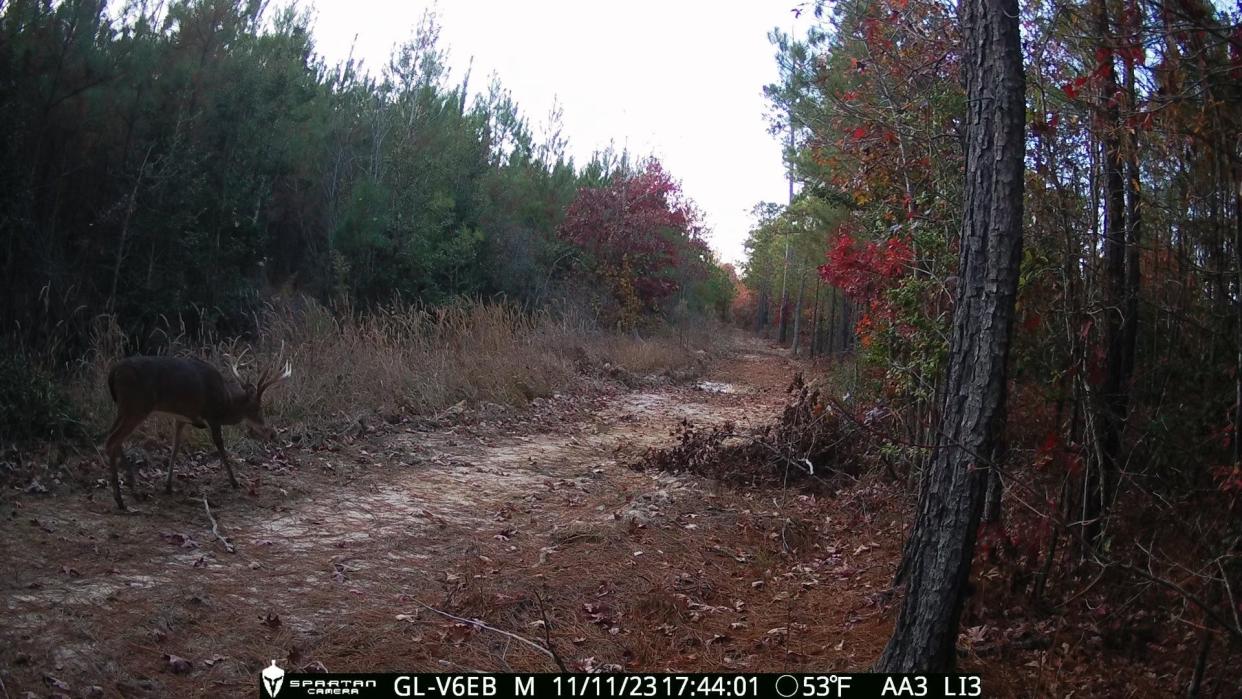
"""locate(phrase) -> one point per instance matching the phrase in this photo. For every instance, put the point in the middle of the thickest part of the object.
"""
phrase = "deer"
(194, 393)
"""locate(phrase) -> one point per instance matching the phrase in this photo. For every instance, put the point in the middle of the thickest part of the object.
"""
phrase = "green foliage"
(33, 405)
(187, 160)
(712, 294)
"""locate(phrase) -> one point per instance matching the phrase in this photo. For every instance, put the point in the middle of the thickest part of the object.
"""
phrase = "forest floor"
(356, 555)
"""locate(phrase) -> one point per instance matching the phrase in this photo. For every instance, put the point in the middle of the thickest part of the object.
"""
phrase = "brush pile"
(810, 444)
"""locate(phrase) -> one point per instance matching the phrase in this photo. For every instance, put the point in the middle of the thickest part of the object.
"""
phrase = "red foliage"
(641, 222)
(1071, 88)
(1229, 479)
(862, 271)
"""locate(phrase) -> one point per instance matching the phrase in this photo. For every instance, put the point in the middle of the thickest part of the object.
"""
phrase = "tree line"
(190, 159)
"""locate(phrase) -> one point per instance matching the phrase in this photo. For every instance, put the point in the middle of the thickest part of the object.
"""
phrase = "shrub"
(32, 405)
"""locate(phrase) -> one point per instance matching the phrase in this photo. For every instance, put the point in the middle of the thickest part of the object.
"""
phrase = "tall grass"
(400, 359)
(410, 359)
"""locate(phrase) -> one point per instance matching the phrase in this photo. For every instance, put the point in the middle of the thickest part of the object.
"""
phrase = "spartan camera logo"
(273, 679)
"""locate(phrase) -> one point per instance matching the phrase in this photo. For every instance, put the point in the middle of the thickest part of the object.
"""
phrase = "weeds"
(32, 405)
(402, 359)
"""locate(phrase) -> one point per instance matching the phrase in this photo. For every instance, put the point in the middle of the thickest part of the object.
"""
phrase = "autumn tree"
(641, 236)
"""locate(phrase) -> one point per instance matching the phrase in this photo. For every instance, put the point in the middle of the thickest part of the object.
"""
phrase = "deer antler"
(266, 380)
(233, 365)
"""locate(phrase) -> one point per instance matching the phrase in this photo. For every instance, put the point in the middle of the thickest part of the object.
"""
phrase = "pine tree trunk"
(1134, 238)
(941, 548)
(832, 322)
(815, 321)
(1237, 246)
(1114, 394)
(782, 318)
(797, 324)
(761, 313)
(847, 325)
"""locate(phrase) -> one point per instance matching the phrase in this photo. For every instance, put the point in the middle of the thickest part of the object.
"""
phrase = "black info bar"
(276, 684)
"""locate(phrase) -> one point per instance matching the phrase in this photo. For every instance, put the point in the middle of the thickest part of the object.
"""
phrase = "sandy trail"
(531, 521)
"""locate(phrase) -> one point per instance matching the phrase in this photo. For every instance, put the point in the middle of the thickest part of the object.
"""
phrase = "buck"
(194, 393)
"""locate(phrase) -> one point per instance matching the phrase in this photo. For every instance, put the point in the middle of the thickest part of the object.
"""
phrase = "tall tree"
(1119, 323)
(939, 553)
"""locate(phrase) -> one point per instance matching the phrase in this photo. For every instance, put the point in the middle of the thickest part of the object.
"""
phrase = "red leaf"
(1051, 441)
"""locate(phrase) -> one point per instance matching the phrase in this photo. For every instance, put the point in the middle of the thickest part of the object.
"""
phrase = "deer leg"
(173, 456)
(219, 440)
(110, 453)
(116, 482)
(113, 448)
(131, 476)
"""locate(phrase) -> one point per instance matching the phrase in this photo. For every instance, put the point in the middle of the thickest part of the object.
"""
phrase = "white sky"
(680, 79)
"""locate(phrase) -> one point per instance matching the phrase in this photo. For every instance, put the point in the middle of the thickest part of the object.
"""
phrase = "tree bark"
(797, 324)
(782, 318)
(761, 313)
(940, 550)
(832, 322)
(1119, 328)
(815, 321)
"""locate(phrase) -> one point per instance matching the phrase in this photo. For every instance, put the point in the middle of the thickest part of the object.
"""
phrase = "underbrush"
(1150, 608)
(809, 444)
(400, 360)
(32, 403)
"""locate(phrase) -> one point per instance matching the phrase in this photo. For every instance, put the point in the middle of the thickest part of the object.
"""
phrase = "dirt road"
(354, 557)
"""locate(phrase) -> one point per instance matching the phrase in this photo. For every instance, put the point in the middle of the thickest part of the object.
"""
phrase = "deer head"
(250, 402)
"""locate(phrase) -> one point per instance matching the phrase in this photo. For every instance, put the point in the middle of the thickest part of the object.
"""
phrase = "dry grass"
(645, 356)
(399, 360)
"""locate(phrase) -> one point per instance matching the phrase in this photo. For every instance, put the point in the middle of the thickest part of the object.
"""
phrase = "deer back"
(187, 387)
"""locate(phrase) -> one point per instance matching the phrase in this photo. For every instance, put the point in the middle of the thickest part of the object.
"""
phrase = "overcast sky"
(680, 79)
